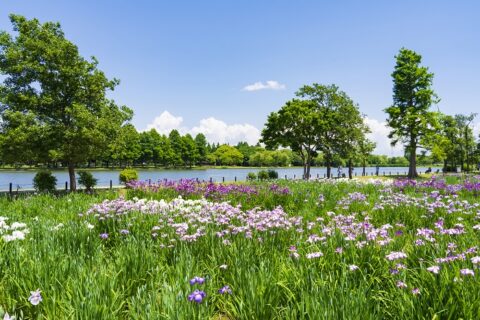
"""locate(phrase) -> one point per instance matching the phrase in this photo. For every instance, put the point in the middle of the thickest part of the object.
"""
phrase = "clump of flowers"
(15, 231)
(197, 280)
(225, 290)
(197, 296)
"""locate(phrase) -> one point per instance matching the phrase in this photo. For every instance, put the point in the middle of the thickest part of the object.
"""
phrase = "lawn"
(265, 250)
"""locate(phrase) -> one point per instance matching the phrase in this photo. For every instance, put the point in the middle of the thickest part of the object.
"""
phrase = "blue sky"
(191, 60)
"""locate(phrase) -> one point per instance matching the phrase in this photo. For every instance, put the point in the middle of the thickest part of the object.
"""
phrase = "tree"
(149, 142)
(409, 117)
(365, 149)
(201, 145)
(296, 126)
(126, 147)
(190, 155)
(58, 94)
(466, 138)
(340, 125)
(178, 148)
(227, 155)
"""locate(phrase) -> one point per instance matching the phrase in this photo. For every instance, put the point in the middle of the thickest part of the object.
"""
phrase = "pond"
(22, 179)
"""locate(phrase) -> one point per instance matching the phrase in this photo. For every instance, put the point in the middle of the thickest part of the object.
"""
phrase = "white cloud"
(268, 85)
(214, 130)
(219, 131)
(379, 135)
(165, 123)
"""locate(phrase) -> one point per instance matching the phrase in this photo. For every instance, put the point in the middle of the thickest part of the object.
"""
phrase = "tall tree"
(410, 118)
(190, 153)
(467, 138)
(296, 126)
(58, 93)
(202, 148)
(340, 122)
(126, 148)
(178, 147)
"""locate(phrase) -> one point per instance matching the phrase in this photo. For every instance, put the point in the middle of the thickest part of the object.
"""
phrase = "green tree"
(60, 95)
(178, 148)
(149, 142)
(340, 125)
(466, 139)
(296, 126)
(227, 155)
(190, 153)
(126, 147)
(365, 149)
(201, 145)
(410, 118)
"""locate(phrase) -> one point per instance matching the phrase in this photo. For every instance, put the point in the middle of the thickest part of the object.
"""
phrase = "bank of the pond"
(22, 179)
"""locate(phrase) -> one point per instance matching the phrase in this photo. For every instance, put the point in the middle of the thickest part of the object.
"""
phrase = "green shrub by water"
(44, 181)
(127, 175)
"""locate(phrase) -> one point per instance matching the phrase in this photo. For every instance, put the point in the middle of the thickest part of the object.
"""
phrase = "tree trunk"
(307, 168)
(350, 169)
(412, 168)
(364, 165)
(329, 170)
(71, 174)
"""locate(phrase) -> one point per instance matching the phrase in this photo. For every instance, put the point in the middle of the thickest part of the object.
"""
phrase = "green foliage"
(226, 155)
(296, 126)
(87, 180)
(53, 99)
(127, 175)
(272, 174)
(262, 175)
(251, 176)
(126, 147)
(410, 120)
(44, 181)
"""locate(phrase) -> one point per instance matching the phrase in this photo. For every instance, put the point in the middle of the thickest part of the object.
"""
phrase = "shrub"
(127, 175)
(272, 174)
(87, 180)
(251, 176)
(262, 175)
(44, 181)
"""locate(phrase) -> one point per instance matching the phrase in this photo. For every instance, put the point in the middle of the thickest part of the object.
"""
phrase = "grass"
(141, 275)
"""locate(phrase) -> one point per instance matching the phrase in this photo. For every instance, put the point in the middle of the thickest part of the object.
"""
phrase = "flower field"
(272, 250)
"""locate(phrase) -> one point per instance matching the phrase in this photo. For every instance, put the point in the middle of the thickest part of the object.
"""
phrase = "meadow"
(385, 249)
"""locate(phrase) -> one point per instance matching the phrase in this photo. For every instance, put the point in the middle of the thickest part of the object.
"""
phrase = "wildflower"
(395, 255)
(224, 290)
(104, 235)
(352, 267)
(6, 316)
(475, 260)
(434, 269)
(467, 272)
(339, 250)
(401, 284)
(124, 231)
(197, 296)
(198, 280)
(35, 297)
(314, 255)
(223, 267)
(415, 291)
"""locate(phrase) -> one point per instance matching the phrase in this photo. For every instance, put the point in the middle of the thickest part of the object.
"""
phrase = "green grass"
(82, 276)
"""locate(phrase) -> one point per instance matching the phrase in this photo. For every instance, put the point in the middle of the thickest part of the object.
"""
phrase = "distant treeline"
(151, 149)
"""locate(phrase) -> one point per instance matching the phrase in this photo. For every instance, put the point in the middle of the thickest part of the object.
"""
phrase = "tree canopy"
(53, 98)
(409, 117)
